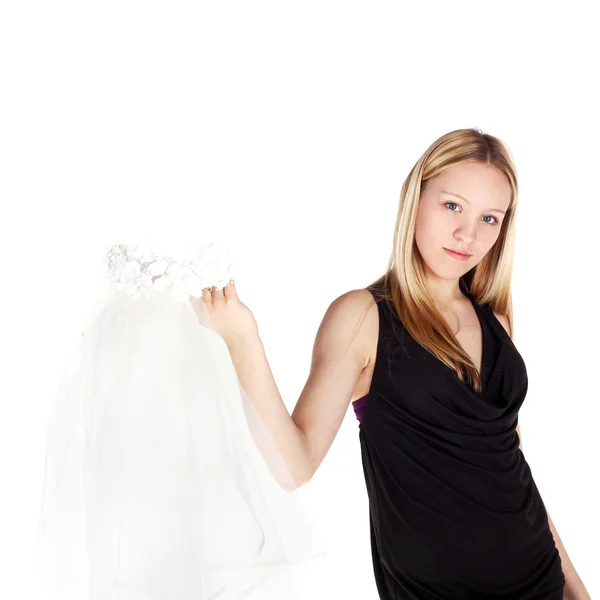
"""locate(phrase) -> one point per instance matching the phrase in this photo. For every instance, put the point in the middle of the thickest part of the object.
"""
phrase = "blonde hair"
(488, 282)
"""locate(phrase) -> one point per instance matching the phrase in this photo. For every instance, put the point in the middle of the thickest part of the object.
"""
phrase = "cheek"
(431, 227)
(486, 243)
(491, 234)
(493, 239)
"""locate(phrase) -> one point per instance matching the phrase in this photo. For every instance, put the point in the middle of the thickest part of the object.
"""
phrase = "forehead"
(476, 183)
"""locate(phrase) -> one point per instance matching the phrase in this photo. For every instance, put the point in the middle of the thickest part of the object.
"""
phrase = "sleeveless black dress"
(454, 510)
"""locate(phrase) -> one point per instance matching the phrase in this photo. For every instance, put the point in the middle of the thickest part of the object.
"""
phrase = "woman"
(426, 354)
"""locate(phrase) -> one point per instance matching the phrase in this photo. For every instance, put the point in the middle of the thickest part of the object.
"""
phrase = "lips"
(461, 252)
(456, 255)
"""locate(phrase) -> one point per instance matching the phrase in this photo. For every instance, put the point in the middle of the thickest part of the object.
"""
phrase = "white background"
(285, 130)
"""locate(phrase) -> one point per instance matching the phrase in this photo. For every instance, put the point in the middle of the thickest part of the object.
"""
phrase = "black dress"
(454, 510)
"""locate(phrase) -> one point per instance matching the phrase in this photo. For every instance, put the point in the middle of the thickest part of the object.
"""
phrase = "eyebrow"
(457, 196)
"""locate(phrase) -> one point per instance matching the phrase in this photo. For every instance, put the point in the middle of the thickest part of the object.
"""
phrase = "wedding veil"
(161, 481)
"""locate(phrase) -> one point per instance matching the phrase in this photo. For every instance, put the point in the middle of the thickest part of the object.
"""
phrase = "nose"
(466, 234)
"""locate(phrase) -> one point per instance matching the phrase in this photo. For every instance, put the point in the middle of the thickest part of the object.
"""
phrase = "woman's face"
(470, 223)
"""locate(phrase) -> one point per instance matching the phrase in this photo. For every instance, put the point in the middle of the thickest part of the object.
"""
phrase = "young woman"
(426, 355)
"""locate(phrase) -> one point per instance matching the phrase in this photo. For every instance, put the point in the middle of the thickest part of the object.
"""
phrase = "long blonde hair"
(488, 282)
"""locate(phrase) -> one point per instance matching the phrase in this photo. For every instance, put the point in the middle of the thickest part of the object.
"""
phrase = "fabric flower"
(137, 269)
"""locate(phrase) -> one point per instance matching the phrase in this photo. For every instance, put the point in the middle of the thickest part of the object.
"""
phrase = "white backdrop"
(285, 130)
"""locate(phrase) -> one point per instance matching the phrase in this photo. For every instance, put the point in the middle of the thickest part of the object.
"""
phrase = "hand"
(222, 311)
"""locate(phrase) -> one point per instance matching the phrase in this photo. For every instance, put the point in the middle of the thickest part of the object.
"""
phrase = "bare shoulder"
(360, 299)
(355, 314)
(338, 361)
(504, 320)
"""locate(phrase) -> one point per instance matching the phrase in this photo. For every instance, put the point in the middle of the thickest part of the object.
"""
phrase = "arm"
(304, 438)
(574, 587)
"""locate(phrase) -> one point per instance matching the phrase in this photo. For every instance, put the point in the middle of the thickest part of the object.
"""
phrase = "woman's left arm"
(574, 587)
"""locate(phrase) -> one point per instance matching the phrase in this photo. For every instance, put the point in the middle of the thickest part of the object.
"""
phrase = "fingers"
(230, 291)
(206, 295)
(215, 294)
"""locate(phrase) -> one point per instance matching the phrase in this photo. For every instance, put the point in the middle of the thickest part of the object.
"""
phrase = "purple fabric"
(359, 407)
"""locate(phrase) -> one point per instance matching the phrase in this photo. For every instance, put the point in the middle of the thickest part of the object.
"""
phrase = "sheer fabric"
(161, 481)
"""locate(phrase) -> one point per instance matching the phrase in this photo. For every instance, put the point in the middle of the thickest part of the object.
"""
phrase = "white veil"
(155, 487)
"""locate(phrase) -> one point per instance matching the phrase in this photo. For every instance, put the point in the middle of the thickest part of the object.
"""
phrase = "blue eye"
(496, 221)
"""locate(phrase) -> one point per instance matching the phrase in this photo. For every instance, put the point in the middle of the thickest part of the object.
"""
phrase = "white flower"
(137, 270)
(158, 267)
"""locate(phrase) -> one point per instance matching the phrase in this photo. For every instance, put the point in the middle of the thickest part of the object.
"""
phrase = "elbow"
(303, 480)
(292, 477)
(300, 479)
(292, 484)
(308, 470)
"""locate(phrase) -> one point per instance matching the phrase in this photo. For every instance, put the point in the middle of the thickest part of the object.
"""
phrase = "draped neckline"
(487, 329)
(484, 340)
